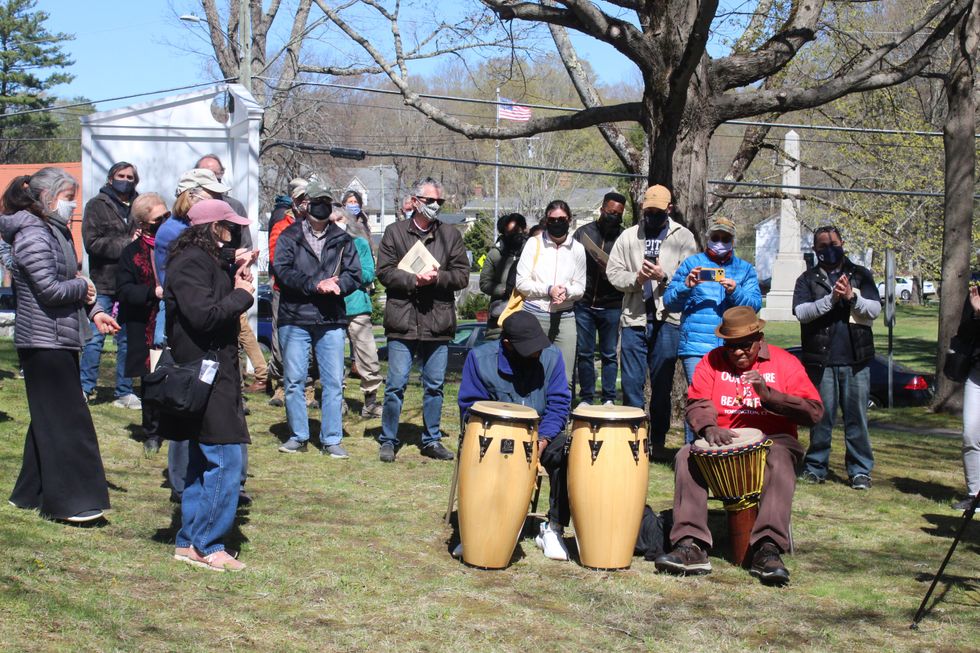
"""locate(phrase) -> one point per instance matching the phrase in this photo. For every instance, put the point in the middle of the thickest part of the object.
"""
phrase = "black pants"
(555, 461)
(62, 473)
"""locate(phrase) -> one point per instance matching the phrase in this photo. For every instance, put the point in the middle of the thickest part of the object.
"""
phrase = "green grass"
(353, 556)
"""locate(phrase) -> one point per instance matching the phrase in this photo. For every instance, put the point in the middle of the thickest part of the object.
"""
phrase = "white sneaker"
(550, 541)
(609, 403)
(129, 401)
(583, 404)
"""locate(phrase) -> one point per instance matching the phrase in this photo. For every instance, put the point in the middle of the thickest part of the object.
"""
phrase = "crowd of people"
(179, 282)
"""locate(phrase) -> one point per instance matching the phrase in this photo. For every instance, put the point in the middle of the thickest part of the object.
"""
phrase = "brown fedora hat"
(739, 322)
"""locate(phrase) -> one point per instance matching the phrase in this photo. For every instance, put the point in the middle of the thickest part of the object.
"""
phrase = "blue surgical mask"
(720, 249)
(354, 209)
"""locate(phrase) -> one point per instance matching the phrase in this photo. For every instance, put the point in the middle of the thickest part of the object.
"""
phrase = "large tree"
(28, 55)
(686, 93)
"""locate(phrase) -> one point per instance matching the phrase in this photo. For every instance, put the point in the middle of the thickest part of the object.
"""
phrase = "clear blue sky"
(123, 47)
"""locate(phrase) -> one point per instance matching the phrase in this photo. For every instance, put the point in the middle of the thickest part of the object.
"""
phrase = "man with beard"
(601, 306)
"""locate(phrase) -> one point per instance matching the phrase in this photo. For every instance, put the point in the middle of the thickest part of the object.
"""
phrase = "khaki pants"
(247, 341)
(365, 352)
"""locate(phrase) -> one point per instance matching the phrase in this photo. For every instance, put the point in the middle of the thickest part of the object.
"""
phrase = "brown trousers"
(779, 483)
(248, 342)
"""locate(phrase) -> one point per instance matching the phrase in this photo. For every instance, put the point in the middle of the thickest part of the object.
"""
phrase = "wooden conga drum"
(608, 472)
(734, 473)
(498, 463)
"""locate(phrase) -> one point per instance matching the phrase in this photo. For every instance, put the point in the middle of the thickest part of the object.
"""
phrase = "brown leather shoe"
(767, 566)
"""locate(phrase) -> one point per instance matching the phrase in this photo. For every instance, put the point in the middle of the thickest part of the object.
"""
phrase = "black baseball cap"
(525, 333)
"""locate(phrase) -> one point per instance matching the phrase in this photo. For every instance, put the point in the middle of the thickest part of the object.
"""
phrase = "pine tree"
(28, 52)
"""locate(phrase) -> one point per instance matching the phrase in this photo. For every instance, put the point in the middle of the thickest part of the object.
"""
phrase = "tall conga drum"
(608, 472)
(498, 464)
(734, 473)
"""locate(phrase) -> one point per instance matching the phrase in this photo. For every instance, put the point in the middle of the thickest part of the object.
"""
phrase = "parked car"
(263, 318)
(468, 335)
(903, 289)
(8, 301)
(909, 388)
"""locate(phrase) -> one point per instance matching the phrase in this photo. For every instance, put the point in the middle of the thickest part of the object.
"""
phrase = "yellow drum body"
(608, 473)
(498, 463)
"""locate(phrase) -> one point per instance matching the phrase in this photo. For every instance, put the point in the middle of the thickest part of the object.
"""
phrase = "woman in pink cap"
(206, 292)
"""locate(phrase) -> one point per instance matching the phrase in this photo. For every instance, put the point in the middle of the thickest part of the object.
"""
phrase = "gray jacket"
(49, 294)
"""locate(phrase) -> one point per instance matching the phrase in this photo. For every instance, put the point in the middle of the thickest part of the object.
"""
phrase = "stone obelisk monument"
(789, 261)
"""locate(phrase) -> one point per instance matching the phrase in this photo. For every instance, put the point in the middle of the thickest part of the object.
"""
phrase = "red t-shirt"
(737, 404)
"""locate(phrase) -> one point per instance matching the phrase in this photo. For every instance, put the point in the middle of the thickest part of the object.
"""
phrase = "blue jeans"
(328, 345)
(159, 332)
(177, 458)
(651, 349)
(848, 387)
(588, 320)
(92, 355)
(210, 496)
(690, 363)
(434, 356)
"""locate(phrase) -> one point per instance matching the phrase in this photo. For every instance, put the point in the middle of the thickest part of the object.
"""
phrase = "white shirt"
(557, 265)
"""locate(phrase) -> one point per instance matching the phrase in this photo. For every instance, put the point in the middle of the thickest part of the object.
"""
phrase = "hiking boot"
(335, 451)
(292, 445)
(386, 453)
(371, 409)
(130, 401)
(687, 559)
(550, 539)
(861, 482)
(278, 397)
(437, 451)
(809, 478)
(767, 566)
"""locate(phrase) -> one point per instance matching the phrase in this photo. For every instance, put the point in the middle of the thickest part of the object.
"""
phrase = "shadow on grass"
(926, 489)
(408, 435)
(969, 586)
(946, 527)
(4, 417)
(233, 540)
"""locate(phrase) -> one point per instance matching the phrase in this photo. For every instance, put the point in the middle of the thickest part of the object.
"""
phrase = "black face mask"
(557, 228)
(236, 236)
(654, 222)
(226, 255)
(321, 210)
(123, 186)
(610, 222)
(831, 255)
(514, 241)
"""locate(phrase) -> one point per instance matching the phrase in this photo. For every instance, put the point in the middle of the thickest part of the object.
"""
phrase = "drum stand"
(967, 517)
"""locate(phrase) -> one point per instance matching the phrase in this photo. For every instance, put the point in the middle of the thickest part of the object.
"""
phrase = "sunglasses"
(558, 218)
(721, 238)
(743, 345)
(431, 200)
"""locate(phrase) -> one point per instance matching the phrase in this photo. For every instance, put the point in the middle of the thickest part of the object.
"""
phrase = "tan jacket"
(626, 259)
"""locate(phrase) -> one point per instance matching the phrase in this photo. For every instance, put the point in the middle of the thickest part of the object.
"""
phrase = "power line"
(349, 153)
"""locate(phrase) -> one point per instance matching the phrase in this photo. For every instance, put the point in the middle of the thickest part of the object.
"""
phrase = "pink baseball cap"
(207, 211)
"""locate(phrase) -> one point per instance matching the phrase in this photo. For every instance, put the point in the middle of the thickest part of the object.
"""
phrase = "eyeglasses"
(557, 218)
(743, 345)
(431, 200)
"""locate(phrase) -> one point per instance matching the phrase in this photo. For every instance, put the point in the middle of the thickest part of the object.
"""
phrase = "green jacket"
(359, 301)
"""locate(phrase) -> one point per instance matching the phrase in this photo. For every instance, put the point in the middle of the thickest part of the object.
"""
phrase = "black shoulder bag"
(180, 388)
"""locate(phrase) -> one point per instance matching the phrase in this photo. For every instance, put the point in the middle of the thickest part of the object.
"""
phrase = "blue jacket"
(489, 376)
(701, 307)
(359, 301)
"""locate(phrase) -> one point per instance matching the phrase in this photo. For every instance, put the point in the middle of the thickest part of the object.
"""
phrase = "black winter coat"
(599, 293)
(298, 271)
(106, 230)
(429, 312)
(202, 313)
(138, 304)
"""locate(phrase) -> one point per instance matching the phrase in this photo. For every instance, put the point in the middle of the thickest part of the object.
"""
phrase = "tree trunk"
(960, 164)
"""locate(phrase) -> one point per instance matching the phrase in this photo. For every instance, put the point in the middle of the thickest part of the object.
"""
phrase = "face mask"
(611, 220)
(654, 222)
(226, 255)
(342, 225)
(408, 213)
(720, 249)
(429, 211)
(355, 209)
(123, 186)
(320, 210)
(514, 241)
(149, 240)
(557, 229)
(64, 208)
(831, 255)
(236, 235)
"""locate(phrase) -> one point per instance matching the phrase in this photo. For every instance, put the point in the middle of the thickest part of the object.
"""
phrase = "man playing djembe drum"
(745, 383)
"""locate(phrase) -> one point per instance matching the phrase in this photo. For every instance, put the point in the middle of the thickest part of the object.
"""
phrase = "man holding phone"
(641, 262)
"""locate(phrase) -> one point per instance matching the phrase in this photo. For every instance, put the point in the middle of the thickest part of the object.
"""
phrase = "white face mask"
(429, 212)
(342, 225)
(64, 208)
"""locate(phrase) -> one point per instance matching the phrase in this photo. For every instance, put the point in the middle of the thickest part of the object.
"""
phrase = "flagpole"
(496, 173)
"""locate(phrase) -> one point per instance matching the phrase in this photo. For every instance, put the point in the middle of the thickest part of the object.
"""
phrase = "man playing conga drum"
(525, 368)
(745, 383)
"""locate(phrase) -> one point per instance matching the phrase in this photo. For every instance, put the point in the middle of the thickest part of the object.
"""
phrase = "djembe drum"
(608, 472)
(498, 464)
(734, 473)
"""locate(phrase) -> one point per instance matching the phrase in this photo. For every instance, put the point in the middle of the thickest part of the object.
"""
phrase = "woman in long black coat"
(139, 293)
(205, 295)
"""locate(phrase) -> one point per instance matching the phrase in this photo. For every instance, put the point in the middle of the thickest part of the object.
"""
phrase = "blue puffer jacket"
(702, 306)
(359, 301)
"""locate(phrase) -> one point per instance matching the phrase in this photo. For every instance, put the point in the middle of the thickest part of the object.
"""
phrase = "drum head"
(609, 414)
(745, 438)
(503, 411)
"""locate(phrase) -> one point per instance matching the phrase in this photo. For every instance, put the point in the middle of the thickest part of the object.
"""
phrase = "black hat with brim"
(524, 333)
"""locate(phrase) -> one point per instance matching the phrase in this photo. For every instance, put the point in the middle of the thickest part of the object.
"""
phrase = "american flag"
(507, 110)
